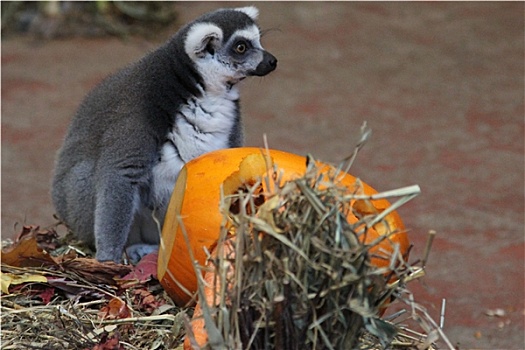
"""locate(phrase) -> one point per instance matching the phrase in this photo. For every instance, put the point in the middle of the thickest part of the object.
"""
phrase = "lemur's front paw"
(136, 252)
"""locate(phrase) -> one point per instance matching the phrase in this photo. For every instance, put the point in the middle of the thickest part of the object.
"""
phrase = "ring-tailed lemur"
(134, 131)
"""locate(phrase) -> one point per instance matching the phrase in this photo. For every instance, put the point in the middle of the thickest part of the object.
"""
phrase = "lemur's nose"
(267, 65)
(272, 61)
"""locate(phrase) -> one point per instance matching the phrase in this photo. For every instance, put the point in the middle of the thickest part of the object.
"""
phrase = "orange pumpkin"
(196, 200)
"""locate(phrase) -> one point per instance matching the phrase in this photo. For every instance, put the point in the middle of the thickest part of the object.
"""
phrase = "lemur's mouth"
(232, 82)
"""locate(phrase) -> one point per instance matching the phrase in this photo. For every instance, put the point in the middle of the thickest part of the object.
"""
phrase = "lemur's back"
(113, 102)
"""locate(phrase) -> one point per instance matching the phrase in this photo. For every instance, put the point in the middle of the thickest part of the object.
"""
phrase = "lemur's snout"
(267, 65)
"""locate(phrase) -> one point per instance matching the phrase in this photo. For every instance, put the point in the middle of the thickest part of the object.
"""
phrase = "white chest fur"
(202, 125)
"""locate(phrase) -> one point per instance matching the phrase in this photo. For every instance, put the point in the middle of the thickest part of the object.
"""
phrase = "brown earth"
(440, 84)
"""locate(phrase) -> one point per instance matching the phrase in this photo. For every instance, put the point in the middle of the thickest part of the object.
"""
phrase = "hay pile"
(66, 301)
(298, 276)
(92, 317)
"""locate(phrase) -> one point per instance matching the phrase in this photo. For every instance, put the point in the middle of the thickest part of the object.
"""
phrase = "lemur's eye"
(240, 47)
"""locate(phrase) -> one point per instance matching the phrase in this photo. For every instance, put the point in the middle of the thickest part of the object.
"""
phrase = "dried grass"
(299, 277)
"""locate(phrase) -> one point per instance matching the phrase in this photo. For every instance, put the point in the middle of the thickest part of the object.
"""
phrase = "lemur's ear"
(202, 38)
(251, 11)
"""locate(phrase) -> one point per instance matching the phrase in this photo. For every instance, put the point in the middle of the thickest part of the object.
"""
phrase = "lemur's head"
(225, 46)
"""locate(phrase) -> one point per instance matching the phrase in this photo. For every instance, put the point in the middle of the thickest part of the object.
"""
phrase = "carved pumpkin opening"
(258, 198)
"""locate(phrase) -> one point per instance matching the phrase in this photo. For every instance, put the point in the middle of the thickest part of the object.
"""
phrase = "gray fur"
(134, 131)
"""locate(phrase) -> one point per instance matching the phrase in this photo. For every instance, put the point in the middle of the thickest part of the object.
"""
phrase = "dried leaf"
(73, 288)
(25, 252)
(109, 342)
(68, 255)
(10, 278)
(46, 239)
(96, 271)
(142, 272)
(146, 301)
(115, 309)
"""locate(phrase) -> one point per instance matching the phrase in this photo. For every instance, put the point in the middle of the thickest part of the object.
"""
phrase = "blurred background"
(440, 84)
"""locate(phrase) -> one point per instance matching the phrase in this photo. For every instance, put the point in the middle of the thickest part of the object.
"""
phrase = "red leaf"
(109, 342)
(115, 309)
(146, 301)
(142, 272)
(47, 295)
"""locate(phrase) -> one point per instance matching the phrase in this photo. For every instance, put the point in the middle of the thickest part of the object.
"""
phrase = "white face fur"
(222, 64)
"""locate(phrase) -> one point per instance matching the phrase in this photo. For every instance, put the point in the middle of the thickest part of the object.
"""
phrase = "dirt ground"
(440, 84)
